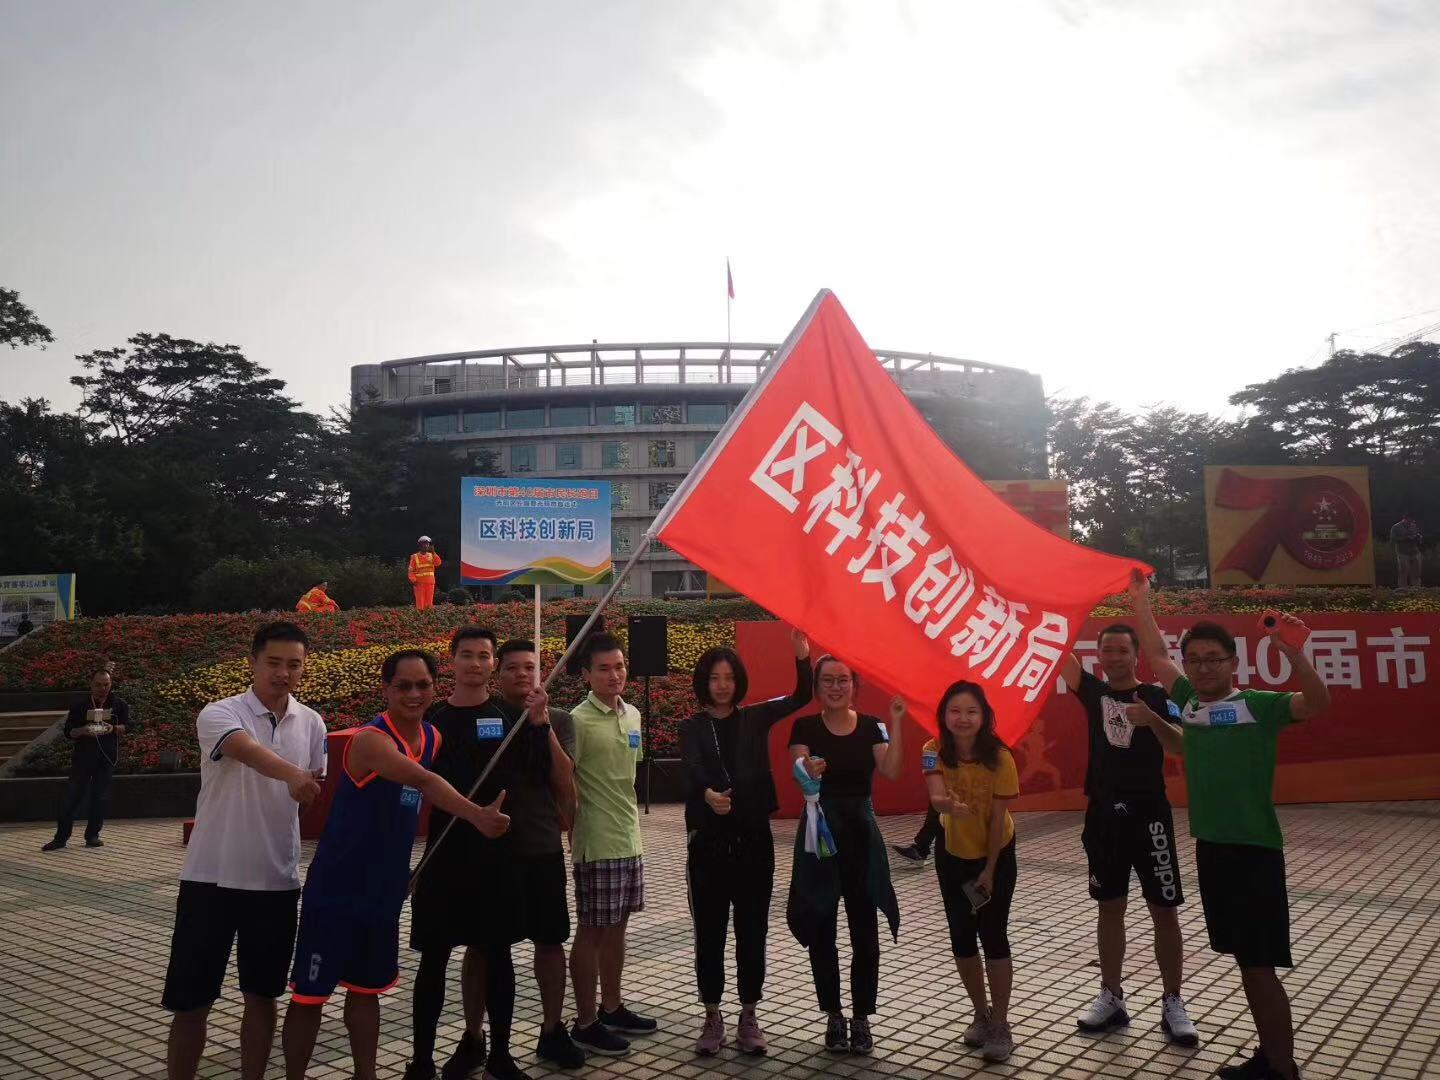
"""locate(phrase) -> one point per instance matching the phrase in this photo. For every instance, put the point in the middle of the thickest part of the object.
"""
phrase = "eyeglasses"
(838, 682)
(1209, 663)
(405, 687)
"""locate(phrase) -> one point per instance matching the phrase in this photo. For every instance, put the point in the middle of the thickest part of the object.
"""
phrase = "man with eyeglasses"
(350, 910)
(1228, 738)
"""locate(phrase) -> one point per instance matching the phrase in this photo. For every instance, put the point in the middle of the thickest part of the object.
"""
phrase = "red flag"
(729, 280)
(830, 501)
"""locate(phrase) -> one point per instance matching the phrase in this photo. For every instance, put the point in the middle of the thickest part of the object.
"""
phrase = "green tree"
(18, 324)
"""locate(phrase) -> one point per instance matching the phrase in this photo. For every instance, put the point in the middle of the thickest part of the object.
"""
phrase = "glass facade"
(660, 414)
(569, 415)
(708, 412)
(662, 453)
(522, 459)
(615, 414)
(620, 495)
(615, 455)
(524, 418)
(660, 492)
(568, 456)
(442, 424)
(482, 420)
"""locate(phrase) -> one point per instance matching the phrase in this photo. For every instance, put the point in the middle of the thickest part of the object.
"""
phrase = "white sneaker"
(1105, 1012)
(1177, 1023)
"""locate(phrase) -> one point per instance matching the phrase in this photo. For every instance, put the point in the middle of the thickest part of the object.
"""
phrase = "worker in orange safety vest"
(423, 565)
(317, 600)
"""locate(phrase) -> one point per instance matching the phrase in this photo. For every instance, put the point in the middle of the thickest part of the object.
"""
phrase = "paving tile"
(84, 937)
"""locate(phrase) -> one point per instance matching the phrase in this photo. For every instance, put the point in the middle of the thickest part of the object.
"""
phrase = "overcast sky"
(1143, 202)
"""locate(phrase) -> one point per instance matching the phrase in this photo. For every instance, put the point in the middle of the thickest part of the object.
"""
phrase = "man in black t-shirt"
(1128, 826)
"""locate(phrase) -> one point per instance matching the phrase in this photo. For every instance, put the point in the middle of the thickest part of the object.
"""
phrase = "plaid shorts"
(608, 890)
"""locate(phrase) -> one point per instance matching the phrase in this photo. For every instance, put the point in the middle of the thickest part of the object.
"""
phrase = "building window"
(619, 496)
(708, 412)
(441, 424)
(660, 492)
(666, 581)
(522, 459)
(660, 414)
(567, 456)
(621, 540)
(615, 414)
(441, 386)
(702, 444)
(662, 453)
(524, 418)
(615, 455)
(569, 415)
(482, 420)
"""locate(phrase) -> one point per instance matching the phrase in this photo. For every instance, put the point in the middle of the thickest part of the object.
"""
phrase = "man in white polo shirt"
(261, 754)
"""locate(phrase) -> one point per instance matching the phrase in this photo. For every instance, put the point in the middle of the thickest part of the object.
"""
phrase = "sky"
(1143, 203)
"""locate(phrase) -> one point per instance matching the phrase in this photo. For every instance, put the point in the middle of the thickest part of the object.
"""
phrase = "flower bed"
(168, 667)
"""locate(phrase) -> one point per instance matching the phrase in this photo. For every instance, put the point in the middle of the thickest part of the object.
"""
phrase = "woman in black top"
(842, 749)
(731, 854)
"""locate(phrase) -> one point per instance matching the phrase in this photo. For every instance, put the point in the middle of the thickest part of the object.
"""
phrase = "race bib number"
(928, 761)
(489, 728)
(1118, 729)
(409, 797)
(884, 731)
(1173, 709)
(1223, 715)
(634, 740)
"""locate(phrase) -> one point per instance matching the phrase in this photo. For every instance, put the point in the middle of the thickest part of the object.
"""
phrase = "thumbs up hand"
(491, 820)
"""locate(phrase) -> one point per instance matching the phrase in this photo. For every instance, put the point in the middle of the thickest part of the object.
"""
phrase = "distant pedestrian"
(94, 726)
(24, 626)
(1407, 539)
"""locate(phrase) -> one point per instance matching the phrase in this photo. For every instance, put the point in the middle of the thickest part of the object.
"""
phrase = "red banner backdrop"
(1379, 740)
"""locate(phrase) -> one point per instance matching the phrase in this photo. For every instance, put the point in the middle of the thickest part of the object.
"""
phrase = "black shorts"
(1142, 840)
(989, 927)
(545, 883)
(480, 905)
(208, 920)
(1247, 908)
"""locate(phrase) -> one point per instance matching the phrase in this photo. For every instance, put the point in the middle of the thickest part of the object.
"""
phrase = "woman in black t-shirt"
(842, 749)
(730, 855)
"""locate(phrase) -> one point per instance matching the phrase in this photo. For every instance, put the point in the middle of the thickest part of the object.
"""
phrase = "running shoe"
(1105, 1012)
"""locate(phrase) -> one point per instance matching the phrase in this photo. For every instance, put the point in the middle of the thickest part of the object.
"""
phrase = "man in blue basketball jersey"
(350, 912)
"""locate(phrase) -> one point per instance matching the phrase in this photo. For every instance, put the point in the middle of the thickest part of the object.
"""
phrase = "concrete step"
(30, 719)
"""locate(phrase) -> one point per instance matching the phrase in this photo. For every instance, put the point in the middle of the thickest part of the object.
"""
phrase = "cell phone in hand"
(976, 893)
(1293, 634)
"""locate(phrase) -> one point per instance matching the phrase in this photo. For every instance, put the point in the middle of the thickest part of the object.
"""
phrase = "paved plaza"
(85, 935)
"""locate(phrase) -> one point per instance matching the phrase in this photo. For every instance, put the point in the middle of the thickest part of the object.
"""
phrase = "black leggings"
(429, 998)
(852, 839)
(992, 923)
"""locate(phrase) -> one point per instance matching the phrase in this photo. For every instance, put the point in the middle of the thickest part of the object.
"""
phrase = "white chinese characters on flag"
(830, 502)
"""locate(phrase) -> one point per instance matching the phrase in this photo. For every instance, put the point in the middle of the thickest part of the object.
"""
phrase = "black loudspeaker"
(649, 647)
(573, 623)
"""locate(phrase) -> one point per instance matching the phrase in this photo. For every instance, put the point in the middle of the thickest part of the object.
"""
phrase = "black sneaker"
(97, 842)
(53, 845)
(911, 854)
(469, 1055)
(836, 1037)
(420, 1070)
(503, 1067)
(1257, 1068)
(622, 1019)
(556, 1047)
(860, 1040)
(598, 1039)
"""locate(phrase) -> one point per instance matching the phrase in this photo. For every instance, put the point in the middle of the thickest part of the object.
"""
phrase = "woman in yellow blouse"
(971, 777)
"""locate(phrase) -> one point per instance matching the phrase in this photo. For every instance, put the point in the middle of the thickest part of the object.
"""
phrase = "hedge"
(168, 666)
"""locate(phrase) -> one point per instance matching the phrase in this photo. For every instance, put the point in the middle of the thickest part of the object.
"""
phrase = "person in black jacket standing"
(731, 854)
(95, 725)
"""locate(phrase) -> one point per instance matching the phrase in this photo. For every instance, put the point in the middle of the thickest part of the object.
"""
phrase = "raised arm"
(1152, 643)
(1314, 695)
(1070, 671)
(775, 710)
(890, 757)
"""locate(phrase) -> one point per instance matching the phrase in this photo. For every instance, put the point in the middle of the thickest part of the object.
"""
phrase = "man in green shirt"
(606, 850)
(1228, 738)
